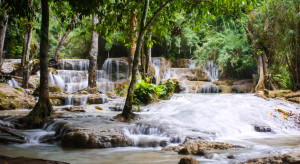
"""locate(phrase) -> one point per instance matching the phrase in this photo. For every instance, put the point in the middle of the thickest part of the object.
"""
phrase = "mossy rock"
(56, 102)
(55, 88)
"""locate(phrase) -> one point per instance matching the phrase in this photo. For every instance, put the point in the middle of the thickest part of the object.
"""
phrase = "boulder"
(188, 160)
(89, 139)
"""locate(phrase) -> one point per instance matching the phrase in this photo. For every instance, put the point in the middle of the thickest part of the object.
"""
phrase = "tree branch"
(156, 14)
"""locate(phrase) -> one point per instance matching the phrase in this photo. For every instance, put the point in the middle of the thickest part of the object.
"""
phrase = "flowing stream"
(219, 117)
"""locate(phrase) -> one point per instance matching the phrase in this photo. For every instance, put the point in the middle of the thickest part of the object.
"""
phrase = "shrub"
(146, 92)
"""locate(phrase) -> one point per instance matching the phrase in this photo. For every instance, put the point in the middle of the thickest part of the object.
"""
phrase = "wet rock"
(97, 99)
(6, 160)
(280, 159)
(260, 128)
(196, 147)
(188, 160)
(73, 109)
(230, 157)
(12, 98)
(88, 139)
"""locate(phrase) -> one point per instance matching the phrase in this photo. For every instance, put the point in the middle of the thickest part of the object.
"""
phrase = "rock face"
(238, 86)
(11, 98)
(188, 160)
(196, 147)
(283, 158)
(103, 139)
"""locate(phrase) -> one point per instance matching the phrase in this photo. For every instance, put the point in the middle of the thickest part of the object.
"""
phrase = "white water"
(219, 117)
(212, 71)
(191, 64)
(156, 64)
(13, 83)
(74, 75)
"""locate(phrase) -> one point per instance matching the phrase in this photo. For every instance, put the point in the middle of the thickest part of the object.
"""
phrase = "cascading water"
(213, 117)
(212, 71)
(156, 64)
(191, 64)
(13, 83)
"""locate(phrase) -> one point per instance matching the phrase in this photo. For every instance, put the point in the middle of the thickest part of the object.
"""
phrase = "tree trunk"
(148, 55)
(43, 108)
(3, 25)
(133, 35)
(26, 56)
(93, 54)
(62, 41)
(127, 111)
(260, 85)
(143, 62)
(265, 80)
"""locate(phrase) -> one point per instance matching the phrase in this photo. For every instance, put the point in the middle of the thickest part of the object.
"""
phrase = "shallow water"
(218, 117)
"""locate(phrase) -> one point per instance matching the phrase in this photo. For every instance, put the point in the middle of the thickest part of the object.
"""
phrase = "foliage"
(227, 45)
(278, 35)
(146, 92)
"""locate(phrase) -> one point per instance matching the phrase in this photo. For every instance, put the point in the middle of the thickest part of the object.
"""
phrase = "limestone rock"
(196, 147)
(293, 94)
(11, 98)
(88, 139)
(283, 158)
(188, 160)
(97, 99)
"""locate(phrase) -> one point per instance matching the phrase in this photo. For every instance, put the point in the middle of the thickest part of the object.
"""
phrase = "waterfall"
(167, 73)
(156, 64)
(211, 70)
(13, 83)
(76, 64)
(191, 64)
(107, 67)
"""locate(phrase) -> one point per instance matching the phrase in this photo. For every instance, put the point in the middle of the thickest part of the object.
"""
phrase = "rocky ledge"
(198, 147)
(292, 158)
(14, 98)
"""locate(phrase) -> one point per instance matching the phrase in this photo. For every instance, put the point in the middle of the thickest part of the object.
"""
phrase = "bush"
(146, 92)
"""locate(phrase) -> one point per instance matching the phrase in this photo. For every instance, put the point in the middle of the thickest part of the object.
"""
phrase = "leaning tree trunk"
(3, 24)
(127, 111)
(93, 54)
(148, 55)
(133, 35)
(43, 108)
(62, 41)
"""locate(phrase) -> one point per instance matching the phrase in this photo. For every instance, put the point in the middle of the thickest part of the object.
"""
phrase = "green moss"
(20, 89)
(54, 88)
